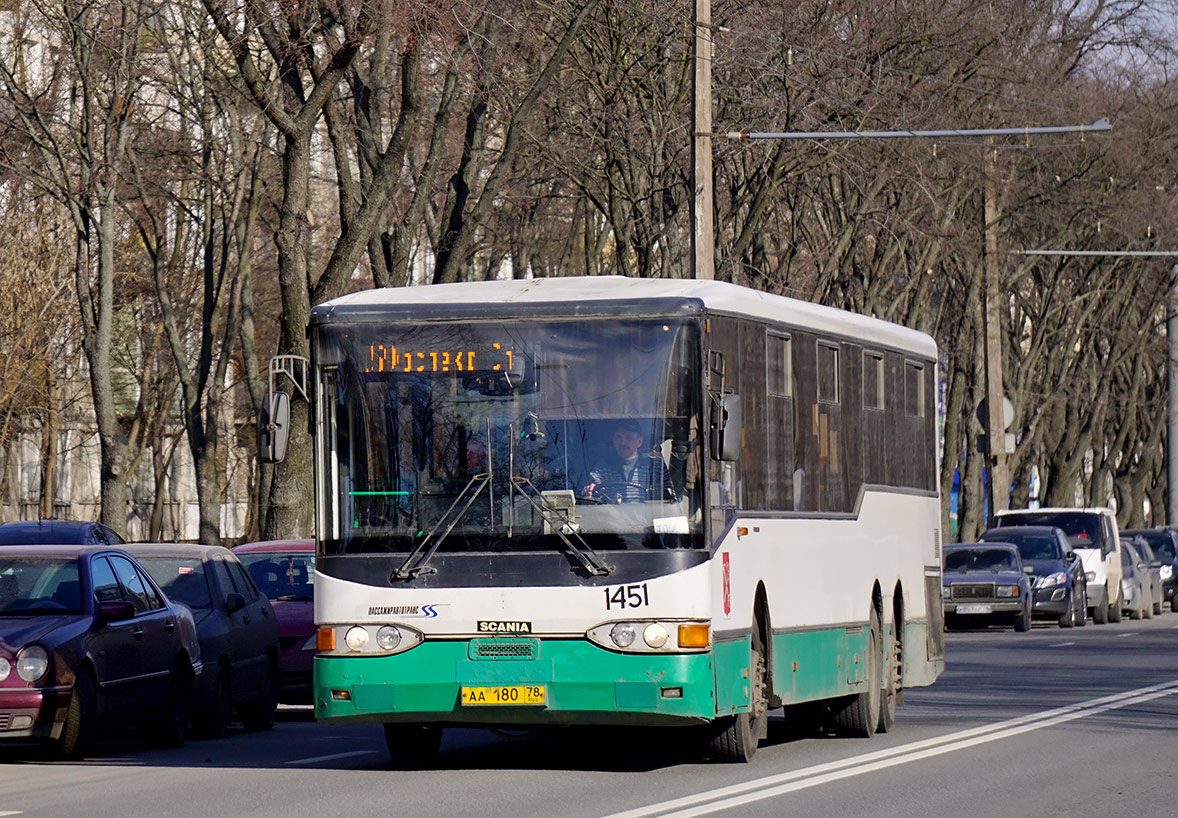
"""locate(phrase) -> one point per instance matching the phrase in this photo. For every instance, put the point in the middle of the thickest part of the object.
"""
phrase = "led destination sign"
(388, 358)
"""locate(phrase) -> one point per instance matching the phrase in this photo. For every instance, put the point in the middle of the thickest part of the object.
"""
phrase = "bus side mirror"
(273, 427)
(726, 424)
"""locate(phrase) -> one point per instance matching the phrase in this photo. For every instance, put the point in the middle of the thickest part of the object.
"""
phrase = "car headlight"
(375, 639)
(658, 636)
(1167, 571)
(31, 663)
(1091, 575)
(5, 668)
(946, 591)
(1006, 590)
(1051, 580)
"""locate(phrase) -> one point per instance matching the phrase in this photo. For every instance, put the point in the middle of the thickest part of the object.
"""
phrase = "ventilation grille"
(497, 649)
(963, 590)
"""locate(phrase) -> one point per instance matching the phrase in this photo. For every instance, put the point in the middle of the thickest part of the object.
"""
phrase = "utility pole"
(995, 396)
(703, 236)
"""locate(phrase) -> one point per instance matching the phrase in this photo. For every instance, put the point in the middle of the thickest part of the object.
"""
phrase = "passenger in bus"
(630, 473)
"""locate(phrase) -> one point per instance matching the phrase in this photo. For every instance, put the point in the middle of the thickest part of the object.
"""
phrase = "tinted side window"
(106, 586)
(224, 578)
(132, 584)
(248, 589)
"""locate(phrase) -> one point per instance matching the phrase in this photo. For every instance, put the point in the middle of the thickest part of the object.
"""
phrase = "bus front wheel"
(735, 738)
(412, 746)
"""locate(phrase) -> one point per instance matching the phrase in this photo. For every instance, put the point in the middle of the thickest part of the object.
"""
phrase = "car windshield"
(1030, 546)
(39, 585)
(962, 560)
(491, 436)
(1160, 540)
(1083, 528)
(181, 578)
(286, 576)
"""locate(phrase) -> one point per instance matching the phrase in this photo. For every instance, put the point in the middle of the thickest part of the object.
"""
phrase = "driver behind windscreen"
(630, 474)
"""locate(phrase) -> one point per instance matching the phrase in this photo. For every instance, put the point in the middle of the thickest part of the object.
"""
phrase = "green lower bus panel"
(817, 664)
(582, 684)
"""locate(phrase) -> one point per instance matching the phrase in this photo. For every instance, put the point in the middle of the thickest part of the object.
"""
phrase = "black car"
(88, 642)
(1164, 542)
(1059, 588)
(236, 626)
(58, 532)
(984, 583)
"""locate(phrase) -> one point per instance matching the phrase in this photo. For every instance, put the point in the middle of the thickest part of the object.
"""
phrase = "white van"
(1093, 534)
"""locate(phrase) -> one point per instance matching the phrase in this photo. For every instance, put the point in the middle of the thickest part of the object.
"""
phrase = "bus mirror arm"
(726, 424)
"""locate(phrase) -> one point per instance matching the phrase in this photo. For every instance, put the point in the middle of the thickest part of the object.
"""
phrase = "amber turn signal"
(325, 639)
(693, 635)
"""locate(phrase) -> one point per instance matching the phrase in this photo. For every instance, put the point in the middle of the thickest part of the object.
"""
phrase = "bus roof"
(598, 295)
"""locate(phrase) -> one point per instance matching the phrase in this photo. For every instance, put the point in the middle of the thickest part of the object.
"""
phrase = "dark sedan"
(1059, 587)
(285, 571)
(984, 583)
(1164, 542)
(88, 641)
(58, 532)
(237, 628)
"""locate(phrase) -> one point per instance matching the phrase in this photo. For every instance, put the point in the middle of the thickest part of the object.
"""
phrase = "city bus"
(615, 501)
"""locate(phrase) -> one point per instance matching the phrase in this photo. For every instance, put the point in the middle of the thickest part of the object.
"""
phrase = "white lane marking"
(774, 785)
(1124, 635)
(10, 812)
(333, 757)
(1061, 645)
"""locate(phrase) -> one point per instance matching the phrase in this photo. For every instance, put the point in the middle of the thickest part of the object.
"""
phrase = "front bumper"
(584, 684)
(38, 713)
(1050, 603)
(1004, 608)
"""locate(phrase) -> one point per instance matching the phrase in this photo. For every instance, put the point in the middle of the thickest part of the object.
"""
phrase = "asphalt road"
(1080, 722)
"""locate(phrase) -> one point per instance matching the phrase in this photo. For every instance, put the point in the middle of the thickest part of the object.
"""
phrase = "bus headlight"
(694, 636)
(375, 639)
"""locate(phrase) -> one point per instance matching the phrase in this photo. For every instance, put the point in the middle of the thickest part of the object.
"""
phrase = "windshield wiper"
(417, 562)
(590, 560)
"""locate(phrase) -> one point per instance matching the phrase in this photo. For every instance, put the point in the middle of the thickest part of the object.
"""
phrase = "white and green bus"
(490, 551)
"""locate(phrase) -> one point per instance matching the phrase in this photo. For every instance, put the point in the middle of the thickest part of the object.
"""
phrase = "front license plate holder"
(504, 696)
(975, 609)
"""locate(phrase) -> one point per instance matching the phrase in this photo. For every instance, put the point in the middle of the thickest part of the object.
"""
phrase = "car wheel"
(412, 746)
(1157, 608)
(1114, 611)
(1138, 609)
(1068, 620)
(79, 720)
(1022, 624)
(215, 722)
(1174, 604)
(735, 738)
(1147, 609)
(858, 716)
(1100, 613)
(259, 714)
(1082, 613)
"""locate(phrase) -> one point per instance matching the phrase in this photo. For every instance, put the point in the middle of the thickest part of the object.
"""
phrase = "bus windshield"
(507, 435)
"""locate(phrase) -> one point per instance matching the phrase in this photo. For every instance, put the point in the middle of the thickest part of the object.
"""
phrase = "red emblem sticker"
(727, 587)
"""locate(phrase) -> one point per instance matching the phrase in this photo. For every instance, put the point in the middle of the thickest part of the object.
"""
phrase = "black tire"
(1082, 614)
(1100, 613)
(259, 714)
(858, 715)
(734, 739)
(171, 728)
(215, 722)
(1022, 622)
(78, 730)
(413, 746)
(1157, 608)
(890, 693)
(1068, 620)
(1174, 604)
(1115, 612)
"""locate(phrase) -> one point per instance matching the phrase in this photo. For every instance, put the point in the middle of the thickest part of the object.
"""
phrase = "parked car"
(1164, 542)
(1153, 567)
(1059, 588)
(89, 642)
(984, 583)
(1093, 534)
(1134, 582)
(236, 626)
(285, 572)
(58, 532)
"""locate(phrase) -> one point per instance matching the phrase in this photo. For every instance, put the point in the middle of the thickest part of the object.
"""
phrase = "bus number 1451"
(626, 596)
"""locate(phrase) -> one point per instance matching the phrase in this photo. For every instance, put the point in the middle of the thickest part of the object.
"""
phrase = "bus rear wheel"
(890, 694)
(735, 738)
(413, 746)
(858, 715)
